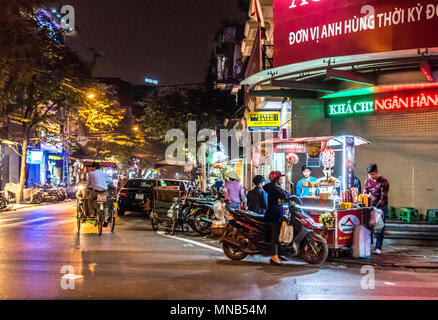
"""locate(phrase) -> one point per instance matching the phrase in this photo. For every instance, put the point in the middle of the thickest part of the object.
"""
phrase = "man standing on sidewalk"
(377, 187)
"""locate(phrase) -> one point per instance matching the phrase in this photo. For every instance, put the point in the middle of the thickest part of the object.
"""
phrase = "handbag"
(286, 233)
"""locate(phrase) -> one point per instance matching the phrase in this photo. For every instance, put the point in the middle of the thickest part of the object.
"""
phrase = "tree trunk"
(23, 168)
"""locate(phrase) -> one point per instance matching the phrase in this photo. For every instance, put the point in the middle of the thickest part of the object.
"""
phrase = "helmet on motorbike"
(275, 174)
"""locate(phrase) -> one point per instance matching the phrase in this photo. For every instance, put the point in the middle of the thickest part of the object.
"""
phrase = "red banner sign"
(312, 29)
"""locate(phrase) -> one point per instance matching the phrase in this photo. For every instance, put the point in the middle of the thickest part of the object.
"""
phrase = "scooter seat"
(256, 215)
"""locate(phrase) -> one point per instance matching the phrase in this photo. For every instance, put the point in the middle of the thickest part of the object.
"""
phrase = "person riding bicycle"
(98, 181)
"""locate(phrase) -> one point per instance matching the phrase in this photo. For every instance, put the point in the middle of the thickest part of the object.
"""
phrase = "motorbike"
(30, 195)
(201, 214)
(4, 202)
(247, 233)
(50, 194)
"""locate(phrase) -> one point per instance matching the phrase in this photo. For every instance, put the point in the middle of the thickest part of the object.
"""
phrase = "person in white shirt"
(98, 181)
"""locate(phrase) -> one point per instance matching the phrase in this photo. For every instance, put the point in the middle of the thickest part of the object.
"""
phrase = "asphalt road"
(39, 246)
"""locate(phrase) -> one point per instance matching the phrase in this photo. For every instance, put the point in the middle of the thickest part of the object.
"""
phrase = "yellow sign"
(53, 157)
(268, 120)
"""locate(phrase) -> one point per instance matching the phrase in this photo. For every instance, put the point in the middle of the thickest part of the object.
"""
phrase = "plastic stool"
(407, 214)
(432, 215)
(391, 212)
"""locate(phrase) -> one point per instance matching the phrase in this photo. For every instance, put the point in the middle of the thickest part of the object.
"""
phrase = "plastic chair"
(432, 215)
(407, 214)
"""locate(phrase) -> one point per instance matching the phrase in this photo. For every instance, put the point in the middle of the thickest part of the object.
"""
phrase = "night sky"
(166, 40)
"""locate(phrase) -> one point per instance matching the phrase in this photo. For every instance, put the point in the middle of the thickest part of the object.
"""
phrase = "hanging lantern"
(292, 158)
(328, 158)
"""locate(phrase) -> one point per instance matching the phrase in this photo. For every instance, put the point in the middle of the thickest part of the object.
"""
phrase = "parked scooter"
(248, 233)
(30, 195)
(50, 194)
(4, 202)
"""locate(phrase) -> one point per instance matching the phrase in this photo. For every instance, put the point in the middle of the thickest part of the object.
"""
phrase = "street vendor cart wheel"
(314, 249)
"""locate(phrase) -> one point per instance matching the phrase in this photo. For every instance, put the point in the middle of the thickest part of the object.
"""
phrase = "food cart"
(334, 202)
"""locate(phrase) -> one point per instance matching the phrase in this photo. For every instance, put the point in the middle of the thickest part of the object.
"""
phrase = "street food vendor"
(328, 183)
(304, 186)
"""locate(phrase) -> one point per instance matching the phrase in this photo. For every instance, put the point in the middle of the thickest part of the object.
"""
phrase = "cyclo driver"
(97, 182)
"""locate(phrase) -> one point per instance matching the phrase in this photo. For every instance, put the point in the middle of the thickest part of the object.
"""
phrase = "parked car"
(139, 194)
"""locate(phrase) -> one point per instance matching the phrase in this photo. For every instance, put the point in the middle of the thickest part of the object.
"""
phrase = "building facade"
(366, 70)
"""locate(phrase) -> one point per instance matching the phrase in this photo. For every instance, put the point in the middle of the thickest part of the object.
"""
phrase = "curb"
(32, 206)
(427, 265)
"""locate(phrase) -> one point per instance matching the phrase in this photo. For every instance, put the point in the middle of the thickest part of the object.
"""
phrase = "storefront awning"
(299, 144)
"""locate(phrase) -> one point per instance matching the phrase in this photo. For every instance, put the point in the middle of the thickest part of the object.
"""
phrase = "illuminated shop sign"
(151, 81)
(54, 157)
(34, 157)
(264, 121)
(356, 106)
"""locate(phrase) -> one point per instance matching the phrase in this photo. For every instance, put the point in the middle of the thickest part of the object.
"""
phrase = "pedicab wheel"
(100, 223)
(172, 230)
(185, 227)
(155, 224)
(232, 252)
(113, 220)
(78, 217)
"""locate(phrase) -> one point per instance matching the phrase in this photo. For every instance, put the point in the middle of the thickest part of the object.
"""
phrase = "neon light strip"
(387, 104)
(317, 208)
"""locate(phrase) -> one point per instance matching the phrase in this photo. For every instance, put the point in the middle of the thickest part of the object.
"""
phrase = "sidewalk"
(18, 207)
(398, 256)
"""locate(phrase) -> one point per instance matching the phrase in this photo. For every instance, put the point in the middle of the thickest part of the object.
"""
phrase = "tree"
(174, 110)
(105, 126)
(40, 75)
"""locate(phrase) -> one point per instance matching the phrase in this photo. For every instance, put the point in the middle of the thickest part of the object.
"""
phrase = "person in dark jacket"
(275, 211)
(257, 198)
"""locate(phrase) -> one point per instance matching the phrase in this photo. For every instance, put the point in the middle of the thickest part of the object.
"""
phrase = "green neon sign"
(349, 108)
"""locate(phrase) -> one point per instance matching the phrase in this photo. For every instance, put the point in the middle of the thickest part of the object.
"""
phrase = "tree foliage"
(163, 112)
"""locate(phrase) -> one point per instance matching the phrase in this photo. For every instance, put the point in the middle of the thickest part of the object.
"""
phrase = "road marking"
(55, 223)
(24, 222)
(199, 244)
(9, 219)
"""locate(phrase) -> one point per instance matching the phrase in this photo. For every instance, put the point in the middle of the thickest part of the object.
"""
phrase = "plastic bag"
(376, 220)
(219, 211)
(361, 242)
(286, 233)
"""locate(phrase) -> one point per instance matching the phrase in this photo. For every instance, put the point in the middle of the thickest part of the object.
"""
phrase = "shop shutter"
(399, 125)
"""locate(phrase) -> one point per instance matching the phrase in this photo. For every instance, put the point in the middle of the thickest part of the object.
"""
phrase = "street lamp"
(91, 96)
(135, 128)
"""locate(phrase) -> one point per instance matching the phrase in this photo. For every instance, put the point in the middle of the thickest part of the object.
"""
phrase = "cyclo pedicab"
(167, 201)
(105, 201)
